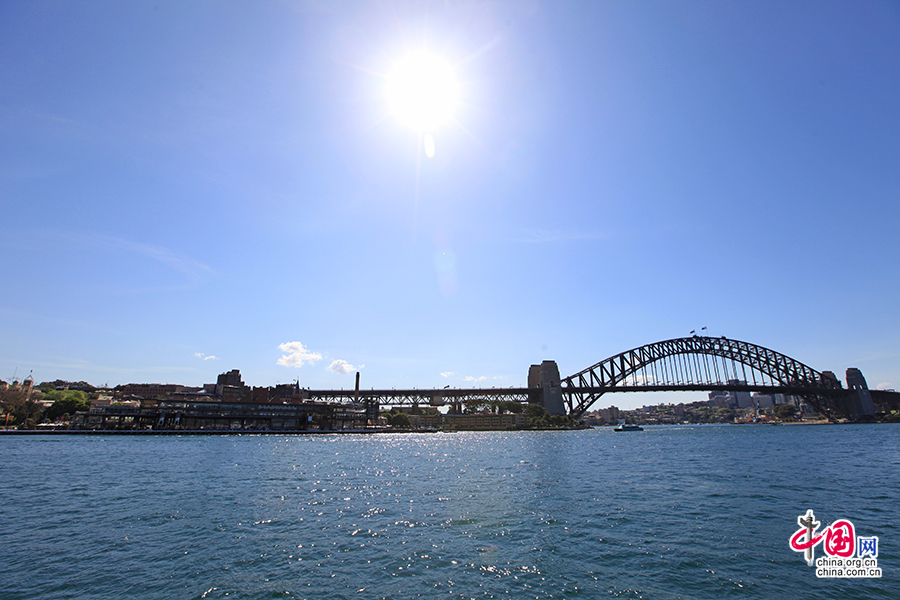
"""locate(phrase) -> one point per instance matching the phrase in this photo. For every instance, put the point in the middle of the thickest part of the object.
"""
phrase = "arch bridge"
(695, 363)
(699, 363)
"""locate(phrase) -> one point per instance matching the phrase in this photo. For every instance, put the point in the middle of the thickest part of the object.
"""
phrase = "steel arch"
(582, 389)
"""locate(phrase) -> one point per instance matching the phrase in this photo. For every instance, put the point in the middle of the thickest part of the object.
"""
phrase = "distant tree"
(506, 406)
(891, 417)
(401, 421)
(56, 395)
(52, 395)
(66, 385)
(476, 406)
(786, 411)
(10, 400)
(70, 403)
(725, 415)
(535, 411)
(537, 415)
(17, 407)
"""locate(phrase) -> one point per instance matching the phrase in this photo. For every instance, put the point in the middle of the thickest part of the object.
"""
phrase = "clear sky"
(193, 187)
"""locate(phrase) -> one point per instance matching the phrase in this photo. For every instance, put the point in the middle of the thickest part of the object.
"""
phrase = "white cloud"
(296, 355)
(447, 373)
(886, 385)
(341, 367)
(204, 356)
(470, 378)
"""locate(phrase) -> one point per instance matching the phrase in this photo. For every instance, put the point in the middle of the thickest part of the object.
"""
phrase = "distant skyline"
(190, 188)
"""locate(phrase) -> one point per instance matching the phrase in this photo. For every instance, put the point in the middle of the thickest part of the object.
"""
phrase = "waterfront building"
(719, 399)
(229, 386)
(592, 418)
(730, 398)
(148, 390)
(232, 377)
(610, 416)
(199, 415)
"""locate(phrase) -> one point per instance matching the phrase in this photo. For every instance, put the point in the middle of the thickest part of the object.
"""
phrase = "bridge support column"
(861, 405)
(545, 377)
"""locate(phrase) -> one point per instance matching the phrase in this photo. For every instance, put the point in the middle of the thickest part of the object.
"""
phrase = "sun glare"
(422, 91)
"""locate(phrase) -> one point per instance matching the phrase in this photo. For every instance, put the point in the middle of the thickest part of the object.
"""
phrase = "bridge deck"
(442, 396)
(691, 364)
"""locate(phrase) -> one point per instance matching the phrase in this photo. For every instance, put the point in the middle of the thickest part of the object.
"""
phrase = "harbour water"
(670, 512)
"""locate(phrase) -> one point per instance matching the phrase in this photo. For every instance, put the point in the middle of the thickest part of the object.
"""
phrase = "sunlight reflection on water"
(666, 513)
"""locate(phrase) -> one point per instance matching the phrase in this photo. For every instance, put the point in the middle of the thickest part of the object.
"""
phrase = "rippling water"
(670, 512)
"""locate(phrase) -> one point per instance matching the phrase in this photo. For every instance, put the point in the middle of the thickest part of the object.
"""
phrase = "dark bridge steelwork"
(426, 397)
(702, 364)
(684, 364)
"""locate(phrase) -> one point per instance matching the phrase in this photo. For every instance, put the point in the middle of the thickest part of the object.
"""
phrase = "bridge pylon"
(544, 380)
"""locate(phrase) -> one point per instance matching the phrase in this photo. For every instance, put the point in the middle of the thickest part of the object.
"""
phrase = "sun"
(422, 91)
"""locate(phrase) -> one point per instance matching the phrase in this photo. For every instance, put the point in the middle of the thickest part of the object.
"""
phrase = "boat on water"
(624, 427)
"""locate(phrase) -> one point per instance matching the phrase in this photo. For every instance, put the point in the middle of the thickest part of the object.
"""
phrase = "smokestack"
(356, 395)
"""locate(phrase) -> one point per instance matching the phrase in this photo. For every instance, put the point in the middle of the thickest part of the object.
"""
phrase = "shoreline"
(143, 432)
(370, 431)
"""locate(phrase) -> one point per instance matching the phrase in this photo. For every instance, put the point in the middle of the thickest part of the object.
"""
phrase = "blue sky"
(189, 188)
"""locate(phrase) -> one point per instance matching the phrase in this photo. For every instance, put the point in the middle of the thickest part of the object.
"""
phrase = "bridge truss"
(427, 397)
(702, 363)
(694, 363)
